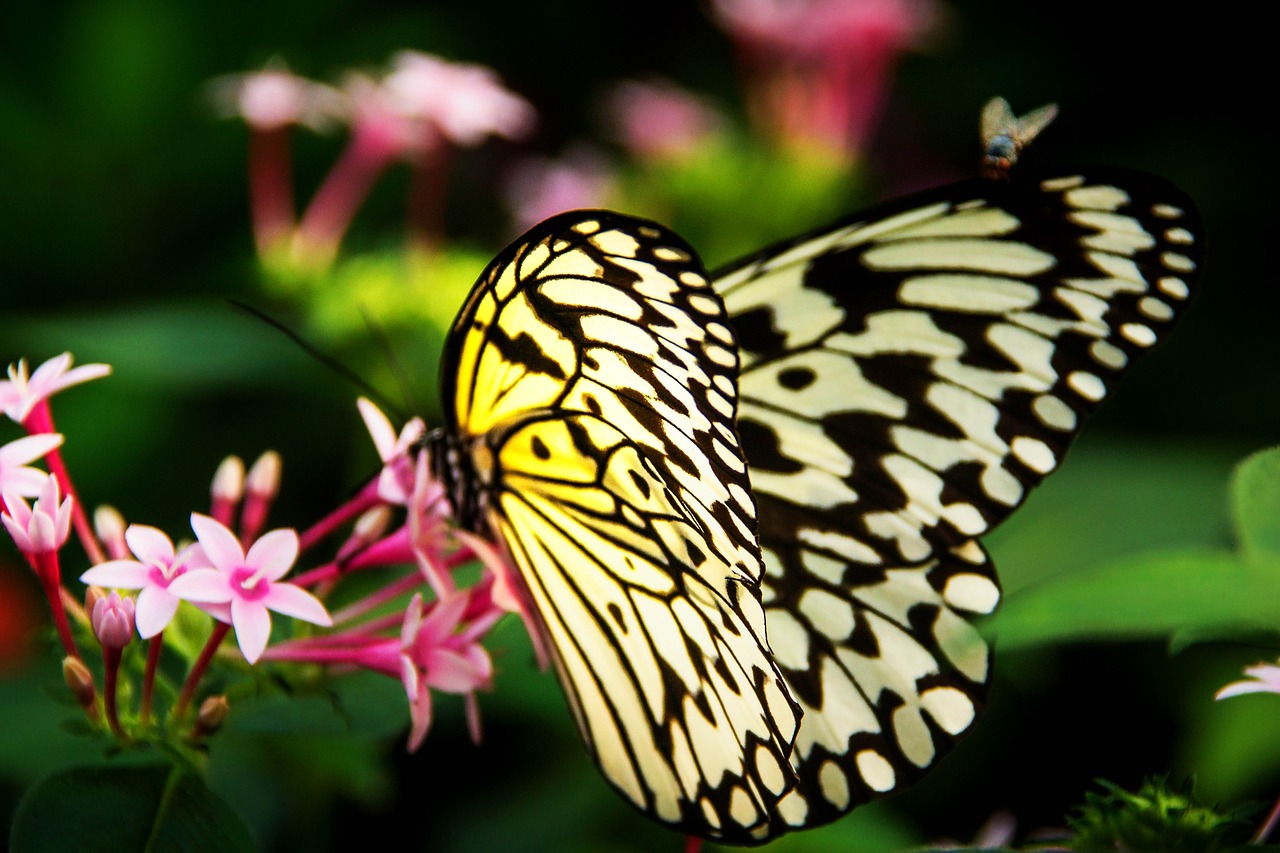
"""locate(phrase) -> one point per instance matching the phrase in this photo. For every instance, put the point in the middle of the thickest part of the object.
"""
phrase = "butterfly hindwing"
(908, 375)
(591, 378)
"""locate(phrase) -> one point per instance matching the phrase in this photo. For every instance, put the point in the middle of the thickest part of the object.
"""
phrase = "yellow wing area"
(592, 377)
(671, 686)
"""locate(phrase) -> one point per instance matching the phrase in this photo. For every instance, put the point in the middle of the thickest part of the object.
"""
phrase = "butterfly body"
(745, 507)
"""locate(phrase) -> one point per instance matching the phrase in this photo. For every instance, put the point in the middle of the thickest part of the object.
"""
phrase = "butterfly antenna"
(392, 359)
(319, 355)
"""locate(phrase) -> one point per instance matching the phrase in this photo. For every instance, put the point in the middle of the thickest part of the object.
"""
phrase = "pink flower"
(395, 483)
(466, 103)
(658, 119)
(15, 477)
(540, 187)
(1263, 678)
(250, 583)
(274, 98)
(42, 528)
(439, 651)
(155, 568)
(20, 393)
(112, 620)
(818, 70)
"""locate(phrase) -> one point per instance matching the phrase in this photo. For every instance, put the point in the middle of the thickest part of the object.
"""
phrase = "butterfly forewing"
(907, 377)
(591, 378)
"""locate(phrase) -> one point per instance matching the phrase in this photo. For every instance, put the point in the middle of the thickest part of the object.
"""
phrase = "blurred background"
(125, 229)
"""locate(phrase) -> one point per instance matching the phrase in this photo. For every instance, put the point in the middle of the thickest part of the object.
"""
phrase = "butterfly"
(745, 506)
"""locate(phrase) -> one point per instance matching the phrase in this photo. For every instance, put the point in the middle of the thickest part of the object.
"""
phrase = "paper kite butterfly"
(745, 506)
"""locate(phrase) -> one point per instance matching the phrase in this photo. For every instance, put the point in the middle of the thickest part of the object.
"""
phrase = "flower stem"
(366, 498)
(270, 189)
(154, 646)
(197, 669)
(84, 530)
(50, 578)
(111, 668)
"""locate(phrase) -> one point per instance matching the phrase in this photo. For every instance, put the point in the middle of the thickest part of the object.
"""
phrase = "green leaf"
(150, 808)
(1255, 502)
(1145, 596)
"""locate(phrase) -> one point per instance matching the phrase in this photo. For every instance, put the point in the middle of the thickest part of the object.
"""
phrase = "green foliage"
(152, 808)
(1158, 816)
(1188, 593)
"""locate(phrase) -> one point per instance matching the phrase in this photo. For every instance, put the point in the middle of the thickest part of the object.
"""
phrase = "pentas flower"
(467, 103)
(439, 651)
(395, 483)
(21, 393)
(538, 188)
(41, 528)
(112, 620)
(659, 120)
(818, 70)
(274, 98)
(156, 567)
(16, 477)
(248, 583)
(1263, 678)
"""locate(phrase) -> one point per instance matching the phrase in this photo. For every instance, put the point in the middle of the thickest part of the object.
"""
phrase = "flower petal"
(252, 622)
(453, 673)
(203, 586)
(154, 611)
(149, 544)
(273, 554)
(120, 574)
(219, 543)
(380, 428)
(29, 448)
(296, 602)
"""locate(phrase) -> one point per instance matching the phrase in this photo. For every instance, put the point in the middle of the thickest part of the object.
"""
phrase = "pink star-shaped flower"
(248, 583)
(1263, 678)
(43, 527)
(20, 393)
(15, 475)
(438, 652)
(155, 568)
(396, 482)
(466, 102)
(274, 97)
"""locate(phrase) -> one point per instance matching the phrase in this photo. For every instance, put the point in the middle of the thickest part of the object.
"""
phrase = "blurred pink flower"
(1263, 678)
(540, 187)
(274, 98)
(155, 568)
(658, 119)
(817, 71)
(466, 103)
(21, 393)
(250, 583)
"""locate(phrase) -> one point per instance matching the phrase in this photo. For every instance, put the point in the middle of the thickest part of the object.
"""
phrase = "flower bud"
(112, 620)
(92, 595)
(79, 679)
(228, 481)
(109, 525)
(263, 479)
(213, 711)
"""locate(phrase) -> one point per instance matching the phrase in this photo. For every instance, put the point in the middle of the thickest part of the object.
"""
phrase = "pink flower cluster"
(418, 111)
(237, 576)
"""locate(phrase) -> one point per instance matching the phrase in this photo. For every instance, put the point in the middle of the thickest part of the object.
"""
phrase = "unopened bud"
(79, 679)
(228, 481)
(92, 595)
(369, 528)
(213, 711)
(263, 480)
(109, 525)
(112, 620)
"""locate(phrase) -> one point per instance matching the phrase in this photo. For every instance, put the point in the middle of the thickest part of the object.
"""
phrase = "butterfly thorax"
(453, 464)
